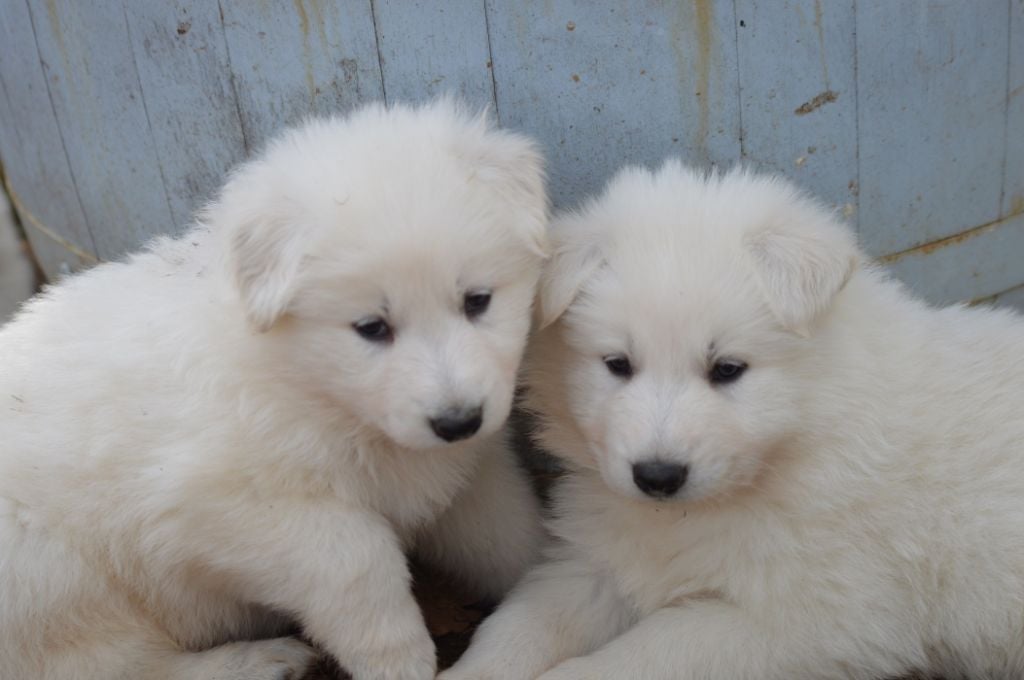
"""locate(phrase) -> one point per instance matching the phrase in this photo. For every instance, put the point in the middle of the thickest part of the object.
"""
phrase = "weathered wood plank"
(602, 84)
(429, 48)
(931, 118)
(185, 77)
(156, 99)
(1013, 181)
(799, 108)
(290, 60)
(979, 264)
(31, 146)
(99, 106)
(1011, 298)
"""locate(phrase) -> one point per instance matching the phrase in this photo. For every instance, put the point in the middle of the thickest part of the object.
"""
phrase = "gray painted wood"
(97, 98)
(980, 265)
(799, 108)
(602, 84)
(290, 60)
(17, 276)
(432, 48)
(931, 83)
(32, 146)
(119, 117)
(1011, 298)
(184, 73)
(1013, 182)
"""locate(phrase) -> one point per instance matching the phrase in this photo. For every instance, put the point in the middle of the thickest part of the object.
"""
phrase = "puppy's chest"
(655, 561)
(413, 488)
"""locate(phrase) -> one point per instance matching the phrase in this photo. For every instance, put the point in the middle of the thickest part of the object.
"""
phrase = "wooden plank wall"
(118, 118)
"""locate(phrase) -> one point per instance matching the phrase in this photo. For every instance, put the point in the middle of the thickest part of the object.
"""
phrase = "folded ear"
(801, 265)
(513, 166)
(265, 244)
(575, 258)
(266, 255)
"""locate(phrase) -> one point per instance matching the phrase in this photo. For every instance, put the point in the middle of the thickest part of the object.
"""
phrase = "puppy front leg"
(343, 573)
(559, 610)
(706, 639)
(491, 533)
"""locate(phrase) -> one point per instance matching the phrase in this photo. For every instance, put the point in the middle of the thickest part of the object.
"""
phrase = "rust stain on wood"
(30, 220)
(932, 246)
(1017, 204)
(988, 299)
(704, 46)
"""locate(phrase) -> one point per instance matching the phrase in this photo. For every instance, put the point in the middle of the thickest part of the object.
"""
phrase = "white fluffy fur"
(855, 505)
(195, 445)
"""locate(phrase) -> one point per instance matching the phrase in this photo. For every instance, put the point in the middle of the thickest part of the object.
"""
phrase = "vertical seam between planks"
(380, 59)
(490, 59)
(856, 117)
(739, 76)
(1006, 107)
(60, 132)
(149, 123)
(231, 80)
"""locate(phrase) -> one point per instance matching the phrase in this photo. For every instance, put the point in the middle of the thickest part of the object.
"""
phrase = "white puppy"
(254, 421)
(784, 466)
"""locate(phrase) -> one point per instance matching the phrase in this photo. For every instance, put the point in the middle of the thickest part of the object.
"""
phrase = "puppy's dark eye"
(476, 302)
(374, 329)
(726, 371)
(619, 365)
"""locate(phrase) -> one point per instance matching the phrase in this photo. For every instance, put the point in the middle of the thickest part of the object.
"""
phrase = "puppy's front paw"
(580, 668)
(498, 669)
(455, 674)
(414, 662)
(277, 659)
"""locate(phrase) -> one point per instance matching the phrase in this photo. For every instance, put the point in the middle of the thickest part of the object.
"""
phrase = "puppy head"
(391, 258)
(680, 312)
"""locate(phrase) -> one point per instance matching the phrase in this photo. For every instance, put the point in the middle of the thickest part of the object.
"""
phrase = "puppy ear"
(513, 166)
(801, 266)
(266, 255)
(265, 244)
(575, 259)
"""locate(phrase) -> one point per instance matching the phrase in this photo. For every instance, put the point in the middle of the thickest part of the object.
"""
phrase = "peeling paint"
(826, 97)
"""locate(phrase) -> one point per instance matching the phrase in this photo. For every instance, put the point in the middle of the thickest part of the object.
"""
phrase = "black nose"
(456, 424)
(659, 479)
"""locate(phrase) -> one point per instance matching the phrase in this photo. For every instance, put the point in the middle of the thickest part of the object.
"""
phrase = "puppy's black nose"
(456, 424)
(659, 479)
